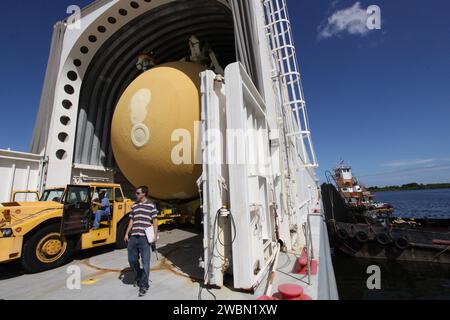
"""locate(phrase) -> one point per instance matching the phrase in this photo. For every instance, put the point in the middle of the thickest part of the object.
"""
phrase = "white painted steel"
(19, 172)
(250, 179)
(214, 184)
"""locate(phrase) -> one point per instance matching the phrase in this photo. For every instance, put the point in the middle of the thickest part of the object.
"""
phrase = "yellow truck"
(44, 235)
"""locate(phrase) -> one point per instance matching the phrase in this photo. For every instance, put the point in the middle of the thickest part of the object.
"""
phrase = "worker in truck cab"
(104, 209)
(143, 220)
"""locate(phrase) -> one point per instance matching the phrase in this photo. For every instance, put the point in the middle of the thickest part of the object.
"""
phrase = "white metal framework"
(281, 41)
(239, 224)
(250, 174)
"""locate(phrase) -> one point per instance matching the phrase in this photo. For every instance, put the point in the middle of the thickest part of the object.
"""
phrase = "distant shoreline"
(411, 186)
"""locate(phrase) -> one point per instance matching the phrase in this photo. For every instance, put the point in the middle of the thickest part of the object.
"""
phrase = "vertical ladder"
(279, 33)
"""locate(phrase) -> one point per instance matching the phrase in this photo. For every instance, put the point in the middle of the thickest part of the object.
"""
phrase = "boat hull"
(416, 250)
(417, 241)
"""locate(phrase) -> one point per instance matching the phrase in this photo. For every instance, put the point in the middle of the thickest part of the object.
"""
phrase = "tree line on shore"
(411, 186)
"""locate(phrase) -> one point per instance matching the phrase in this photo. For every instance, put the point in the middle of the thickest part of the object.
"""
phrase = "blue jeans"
(98, 218)
(139, 247)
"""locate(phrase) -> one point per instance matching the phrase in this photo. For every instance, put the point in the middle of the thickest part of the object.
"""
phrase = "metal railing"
(309, 245)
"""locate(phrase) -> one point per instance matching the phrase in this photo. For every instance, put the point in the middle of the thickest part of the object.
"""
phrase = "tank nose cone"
(154, 125)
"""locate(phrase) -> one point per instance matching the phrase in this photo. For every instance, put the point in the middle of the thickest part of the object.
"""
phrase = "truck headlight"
(7, 215)
(7, 233)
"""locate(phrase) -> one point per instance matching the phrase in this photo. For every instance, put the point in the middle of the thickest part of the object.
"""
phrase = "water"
(434, 204)
(400, 280)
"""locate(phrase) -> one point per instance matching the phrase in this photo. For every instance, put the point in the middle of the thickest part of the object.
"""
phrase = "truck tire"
(401, 243)
(342, 234)
(383, 238)
(121, 229)
(362, 236)
(46, 249)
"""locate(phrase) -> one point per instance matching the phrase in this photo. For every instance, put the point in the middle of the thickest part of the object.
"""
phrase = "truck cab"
(79, 210)
(43, 235)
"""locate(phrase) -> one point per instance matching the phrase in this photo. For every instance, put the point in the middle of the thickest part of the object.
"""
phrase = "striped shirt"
(142, 215)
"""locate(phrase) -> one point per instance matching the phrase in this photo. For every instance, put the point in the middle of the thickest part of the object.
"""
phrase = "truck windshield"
(52, 195)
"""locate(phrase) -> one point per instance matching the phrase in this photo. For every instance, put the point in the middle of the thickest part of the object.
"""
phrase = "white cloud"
(398, 172)
(405, 163)
(352, 20)
(438, 173)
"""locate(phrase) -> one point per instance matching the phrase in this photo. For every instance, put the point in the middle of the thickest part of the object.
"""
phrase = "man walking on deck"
(143, 216)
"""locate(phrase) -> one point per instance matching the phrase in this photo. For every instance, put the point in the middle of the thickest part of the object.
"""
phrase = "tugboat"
(362, 227)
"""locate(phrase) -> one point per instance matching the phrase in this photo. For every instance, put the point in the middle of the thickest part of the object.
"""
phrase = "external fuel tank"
(154, 119)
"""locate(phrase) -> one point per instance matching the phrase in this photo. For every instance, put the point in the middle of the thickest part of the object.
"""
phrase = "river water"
(399, 280)
(434, 204)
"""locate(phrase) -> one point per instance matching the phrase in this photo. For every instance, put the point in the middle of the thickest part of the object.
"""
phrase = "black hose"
(216, 221)
(210, 262)
(235, 233)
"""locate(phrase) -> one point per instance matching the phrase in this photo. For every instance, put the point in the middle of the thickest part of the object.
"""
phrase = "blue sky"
(378, 99)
